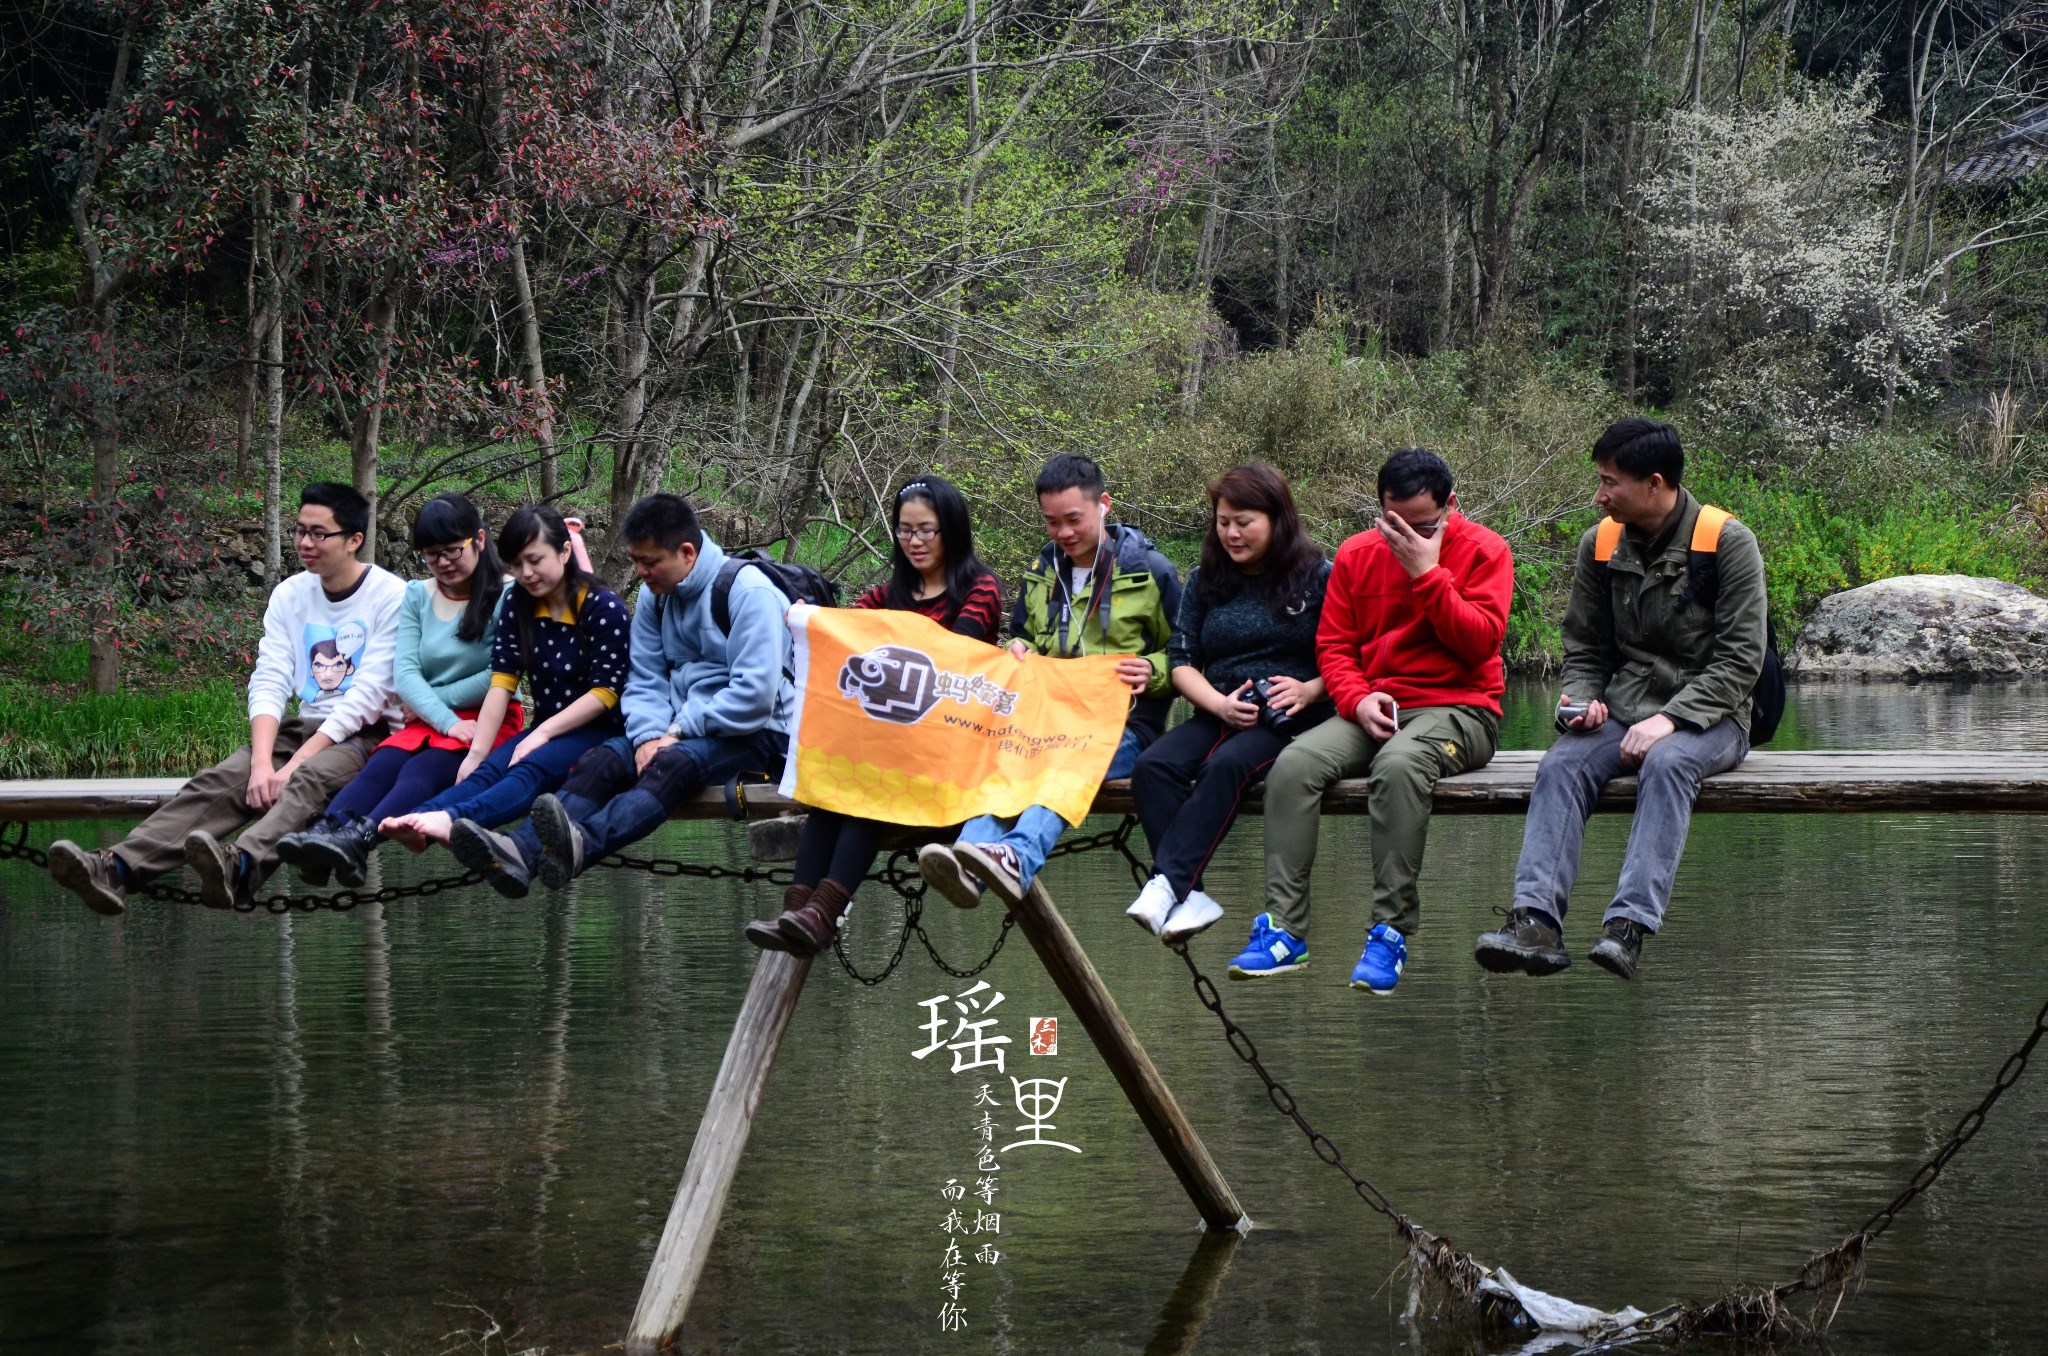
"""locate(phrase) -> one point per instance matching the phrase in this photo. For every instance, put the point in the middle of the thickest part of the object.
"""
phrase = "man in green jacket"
(1664, 680)
(1097, 587)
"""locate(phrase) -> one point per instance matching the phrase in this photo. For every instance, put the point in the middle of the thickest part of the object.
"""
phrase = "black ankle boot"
(343, 849)
(300, 849)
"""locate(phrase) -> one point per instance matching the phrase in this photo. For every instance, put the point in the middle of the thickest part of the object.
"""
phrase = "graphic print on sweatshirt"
(333, 654)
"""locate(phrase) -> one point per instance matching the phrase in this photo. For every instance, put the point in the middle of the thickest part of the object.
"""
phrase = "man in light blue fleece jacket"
(708, 699)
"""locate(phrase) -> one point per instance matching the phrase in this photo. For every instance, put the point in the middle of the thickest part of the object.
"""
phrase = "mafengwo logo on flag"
(1045, 1035)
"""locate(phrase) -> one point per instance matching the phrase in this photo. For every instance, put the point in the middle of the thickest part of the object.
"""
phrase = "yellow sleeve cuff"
(505, 682)
(605, 695)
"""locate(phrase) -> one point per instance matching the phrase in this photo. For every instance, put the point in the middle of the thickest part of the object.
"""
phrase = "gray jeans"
(1568, 783)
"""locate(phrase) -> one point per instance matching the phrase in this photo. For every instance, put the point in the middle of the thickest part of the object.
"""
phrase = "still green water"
(455, 1125)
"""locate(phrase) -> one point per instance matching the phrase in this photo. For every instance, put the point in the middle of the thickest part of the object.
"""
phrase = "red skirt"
(418, 735)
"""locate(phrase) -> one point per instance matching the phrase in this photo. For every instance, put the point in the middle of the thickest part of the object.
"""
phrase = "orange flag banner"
(900, 720)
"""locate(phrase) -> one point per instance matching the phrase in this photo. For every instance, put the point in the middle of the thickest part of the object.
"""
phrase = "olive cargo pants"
(216, 800)
(1432, 742)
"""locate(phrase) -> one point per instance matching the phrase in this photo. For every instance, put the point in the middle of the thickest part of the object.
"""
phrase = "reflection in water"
(1200, 1286)
(230, 1134)
(561, 927)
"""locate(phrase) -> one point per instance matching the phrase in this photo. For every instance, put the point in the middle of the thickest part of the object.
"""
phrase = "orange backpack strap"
(1606, 539)
(1706, 529)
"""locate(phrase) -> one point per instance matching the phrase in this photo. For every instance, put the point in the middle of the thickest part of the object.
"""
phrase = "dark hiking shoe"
(811, 926)
(1530, 943)
(92, 876)
(1620, 947)
(561, 843)
(493, 856)
(222, 882)
(767, 933)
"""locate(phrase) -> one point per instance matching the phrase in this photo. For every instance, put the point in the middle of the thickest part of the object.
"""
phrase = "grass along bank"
(166, 733)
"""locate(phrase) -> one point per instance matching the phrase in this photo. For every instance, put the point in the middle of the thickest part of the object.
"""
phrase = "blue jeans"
(613, 806)
(498, 793)
(1037, 831)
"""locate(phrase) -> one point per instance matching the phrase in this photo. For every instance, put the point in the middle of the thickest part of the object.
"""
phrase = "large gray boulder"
(1925, 626)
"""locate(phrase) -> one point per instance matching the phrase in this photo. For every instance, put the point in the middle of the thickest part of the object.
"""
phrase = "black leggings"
(837, 847)
(1188, 786)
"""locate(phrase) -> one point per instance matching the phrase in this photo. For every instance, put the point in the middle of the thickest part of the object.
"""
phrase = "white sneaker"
(1152, 905)
(1195, 913)
(941, 870)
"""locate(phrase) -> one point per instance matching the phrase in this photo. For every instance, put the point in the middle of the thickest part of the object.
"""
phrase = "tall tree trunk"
(103, 649)
(633, 305)
(273, 444)
(252, 356)
(1205, 285)
(1447, 298)
(533, 372)
(369, 421)
(104, 279)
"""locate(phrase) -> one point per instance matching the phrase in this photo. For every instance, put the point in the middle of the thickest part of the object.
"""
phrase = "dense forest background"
(780, 254)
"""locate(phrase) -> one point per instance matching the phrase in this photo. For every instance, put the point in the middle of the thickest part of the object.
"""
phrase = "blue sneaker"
(1271, 951)
(1379, 969)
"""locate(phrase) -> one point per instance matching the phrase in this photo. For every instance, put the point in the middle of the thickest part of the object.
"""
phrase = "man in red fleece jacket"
(1409, 646)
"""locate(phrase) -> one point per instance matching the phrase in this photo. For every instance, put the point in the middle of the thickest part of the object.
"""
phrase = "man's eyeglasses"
(319, 536)
(443, 555)
(907, 533)
(1429, 529)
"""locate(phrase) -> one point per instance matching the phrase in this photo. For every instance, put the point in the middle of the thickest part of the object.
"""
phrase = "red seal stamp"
(1045, 1035)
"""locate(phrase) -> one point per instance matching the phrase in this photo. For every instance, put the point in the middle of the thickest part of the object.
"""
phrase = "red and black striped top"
(980, 617)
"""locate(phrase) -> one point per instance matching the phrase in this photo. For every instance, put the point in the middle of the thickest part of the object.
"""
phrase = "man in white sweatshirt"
(329, 637)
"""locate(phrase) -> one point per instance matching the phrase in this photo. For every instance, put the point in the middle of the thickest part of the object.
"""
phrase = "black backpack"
(799, 584)
(1703, 567)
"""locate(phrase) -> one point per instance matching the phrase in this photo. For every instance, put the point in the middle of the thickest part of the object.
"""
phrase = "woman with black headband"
(933, 571)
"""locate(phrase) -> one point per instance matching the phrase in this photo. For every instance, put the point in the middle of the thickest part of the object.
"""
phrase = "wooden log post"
(1061, 954)
(715, 1155)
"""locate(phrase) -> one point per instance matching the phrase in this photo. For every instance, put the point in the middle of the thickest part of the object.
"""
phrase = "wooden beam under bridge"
(750, 1053)
(1833, 782)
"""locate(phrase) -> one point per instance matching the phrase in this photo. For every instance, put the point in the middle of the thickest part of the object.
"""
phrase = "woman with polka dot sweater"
(565, 633)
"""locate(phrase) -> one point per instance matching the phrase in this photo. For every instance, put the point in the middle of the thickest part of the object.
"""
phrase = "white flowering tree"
(1771, 285)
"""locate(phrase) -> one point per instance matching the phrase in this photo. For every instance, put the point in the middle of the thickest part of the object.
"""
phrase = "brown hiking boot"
(222, 884)
(811, 927)
(766, 933)
(91, 876)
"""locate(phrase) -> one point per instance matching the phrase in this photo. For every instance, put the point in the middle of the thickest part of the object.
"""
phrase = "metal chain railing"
(899, 874)
(1965, 1130)
(1737, 1313)
(1283, 1100)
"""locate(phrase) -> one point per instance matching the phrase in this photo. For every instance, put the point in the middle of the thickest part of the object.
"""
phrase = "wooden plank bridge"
(1854, 781)
(1836, 782)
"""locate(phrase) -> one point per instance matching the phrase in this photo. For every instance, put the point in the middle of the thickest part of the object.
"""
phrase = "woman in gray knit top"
(1244, 655)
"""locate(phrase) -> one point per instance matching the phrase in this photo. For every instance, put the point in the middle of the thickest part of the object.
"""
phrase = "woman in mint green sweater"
(445, 629)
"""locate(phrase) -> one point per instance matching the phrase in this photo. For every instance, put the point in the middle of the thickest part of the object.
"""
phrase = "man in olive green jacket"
(1664, 682)
(1100, 588)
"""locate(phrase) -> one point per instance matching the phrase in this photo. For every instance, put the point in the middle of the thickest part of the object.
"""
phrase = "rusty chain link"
(1965, 1129)
(1277, 1093)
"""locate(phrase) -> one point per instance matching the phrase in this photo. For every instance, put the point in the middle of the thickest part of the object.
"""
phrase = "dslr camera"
(1261, 695)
